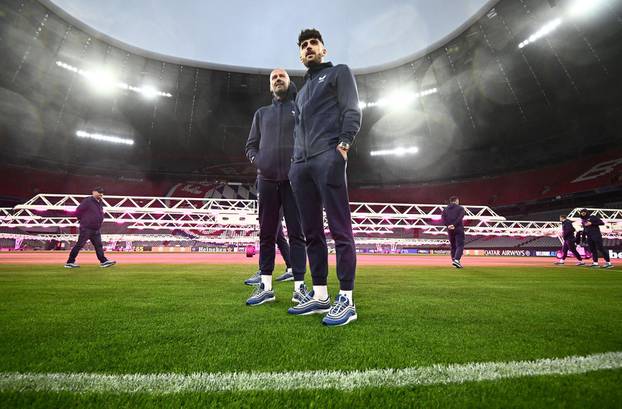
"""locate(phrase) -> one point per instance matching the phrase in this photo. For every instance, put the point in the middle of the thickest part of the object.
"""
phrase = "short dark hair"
(562, 216)
(453, 199)
(308, 34)
(98, 189)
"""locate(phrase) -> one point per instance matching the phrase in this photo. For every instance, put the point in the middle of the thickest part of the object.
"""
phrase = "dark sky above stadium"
(360, 33)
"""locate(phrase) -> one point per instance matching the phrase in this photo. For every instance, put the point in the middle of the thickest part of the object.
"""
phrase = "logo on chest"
(322, 78)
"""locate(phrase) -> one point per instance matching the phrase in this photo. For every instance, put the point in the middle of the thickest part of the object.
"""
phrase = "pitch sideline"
(282, 381)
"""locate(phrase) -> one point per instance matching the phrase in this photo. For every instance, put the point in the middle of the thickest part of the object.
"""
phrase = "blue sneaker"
(301, 294)
(260, 296)
(255, 279)
(341, 313)
(308, 305)
(288, 275)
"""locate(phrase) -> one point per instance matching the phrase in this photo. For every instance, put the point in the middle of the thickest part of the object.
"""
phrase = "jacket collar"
(317, 68)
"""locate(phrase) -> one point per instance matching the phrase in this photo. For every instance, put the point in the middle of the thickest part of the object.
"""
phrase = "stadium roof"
(263, 34)
(523, 85)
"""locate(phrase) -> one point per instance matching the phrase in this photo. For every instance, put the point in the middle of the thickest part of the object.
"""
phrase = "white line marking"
(279, 381)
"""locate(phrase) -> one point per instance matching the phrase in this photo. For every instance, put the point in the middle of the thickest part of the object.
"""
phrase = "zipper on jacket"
(279, 116)
(306, 145)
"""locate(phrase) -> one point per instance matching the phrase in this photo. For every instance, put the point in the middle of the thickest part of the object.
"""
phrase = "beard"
(280, 92)
(317, 59)
(312, 62)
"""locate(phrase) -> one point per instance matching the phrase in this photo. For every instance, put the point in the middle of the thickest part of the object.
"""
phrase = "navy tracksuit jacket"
(269, 146)
(454, 214)
(594, 237)
(90, 213)
(327, 113)
(568, 234)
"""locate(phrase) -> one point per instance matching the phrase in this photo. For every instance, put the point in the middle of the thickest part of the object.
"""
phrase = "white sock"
(298, 284)
(266, 280)
(289, 270)
(347, 294)
(561, 261)
(320, 292)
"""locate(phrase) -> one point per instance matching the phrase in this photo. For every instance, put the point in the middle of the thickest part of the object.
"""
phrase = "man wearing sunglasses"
(328, 118)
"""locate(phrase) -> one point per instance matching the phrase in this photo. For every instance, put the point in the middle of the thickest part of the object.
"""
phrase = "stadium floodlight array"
(400, 151)
(506, 228)
(145, 204)
(5, 212)
(608, 215)
(516, 228)
(211, 216)
(581, 8)
(398, 99)
(105, 237)
(140, 212)
(106, 82)
(222, 239)
(544, 31)
(104, 138)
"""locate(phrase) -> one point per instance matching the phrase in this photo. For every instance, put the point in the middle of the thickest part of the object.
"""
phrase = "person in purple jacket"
(90, 213)
(452, 218)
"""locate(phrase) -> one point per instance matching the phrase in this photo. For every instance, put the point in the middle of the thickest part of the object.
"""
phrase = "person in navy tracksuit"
(452, 217)
(591, 227)
(90, 213)
(328, 119)
(269, 148)
(568, 235)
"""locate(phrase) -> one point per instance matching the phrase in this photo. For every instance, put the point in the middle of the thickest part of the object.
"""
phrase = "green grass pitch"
(192, 318)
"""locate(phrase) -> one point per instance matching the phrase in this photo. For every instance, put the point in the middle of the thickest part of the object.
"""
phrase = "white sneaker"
(300, 295)
(607, 265)
(594, 265)
(559, 262)
(580, 263)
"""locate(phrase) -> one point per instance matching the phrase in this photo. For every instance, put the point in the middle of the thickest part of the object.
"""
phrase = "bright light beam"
(398, 99)
(104, 81)
(545, 30)
(104, 138)
(400, 151)
(583, 8)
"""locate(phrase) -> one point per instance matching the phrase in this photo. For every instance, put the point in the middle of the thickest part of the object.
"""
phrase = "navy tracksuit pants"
(96, 239)
(456, 240)
(596, 244)
(272, 197)
(570, 245)
(320, 182)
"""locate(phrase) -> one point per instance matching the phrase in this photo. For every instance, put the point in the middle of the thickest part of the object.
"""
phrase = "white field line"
(279, 381)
